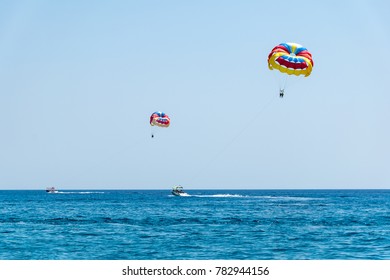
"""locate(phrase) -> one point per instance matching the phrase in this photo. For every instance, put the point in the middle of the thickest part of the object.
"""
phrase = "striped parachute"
(291, 58)
(159, 119)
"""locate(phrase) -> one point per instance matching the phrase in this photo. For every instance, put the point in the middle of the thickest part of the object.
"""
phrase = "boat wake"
(265, 197)
(213, 195)
(220, 195)
(78, 192)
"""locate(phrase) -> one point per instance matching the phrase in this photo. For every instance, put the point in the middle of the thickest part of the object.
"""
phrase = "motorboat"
(178, 191)
(51, 190)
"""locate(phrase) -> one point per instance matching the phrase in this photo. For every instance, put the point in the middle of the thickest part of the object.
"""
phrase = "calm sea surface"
(218, 224)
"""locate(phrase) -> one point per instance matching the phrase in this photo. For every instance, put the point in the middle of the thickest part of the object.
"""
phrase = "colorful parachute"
(291, 58)
(160, 119)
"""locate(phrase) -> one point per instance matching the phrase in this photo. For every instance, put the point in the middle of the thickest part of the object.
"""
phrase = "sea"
(206, 225)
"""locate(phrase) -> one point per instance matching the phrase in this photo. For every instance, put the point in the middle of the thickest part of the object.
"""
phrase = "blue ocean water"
(210, 224)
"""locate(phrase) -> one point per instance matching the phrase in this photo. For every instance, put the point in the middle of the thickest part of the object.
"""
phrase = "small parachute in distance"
(159, 119)
(290, 59)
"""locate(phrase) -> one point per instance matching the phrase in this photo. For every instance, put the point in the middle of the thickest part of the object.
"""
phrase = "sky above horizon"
(80, 79)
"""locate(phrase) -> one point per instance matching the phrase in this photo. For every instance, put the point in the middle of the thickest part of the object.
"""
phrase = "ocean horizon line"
(195, 189)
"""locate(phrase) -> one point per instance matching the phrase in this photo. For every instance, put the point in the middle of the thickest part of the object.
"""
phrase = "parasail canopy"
(291, 58)
(160, 119)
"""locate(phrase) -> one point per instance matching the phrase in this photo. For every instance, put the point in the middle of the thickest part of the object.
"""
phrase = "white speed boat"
(51, 190)
(178, 191)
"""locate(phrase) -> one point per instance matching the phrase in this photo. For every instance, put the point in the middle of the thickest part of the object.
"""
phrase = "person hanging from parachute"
(290, 59)
(159, 119)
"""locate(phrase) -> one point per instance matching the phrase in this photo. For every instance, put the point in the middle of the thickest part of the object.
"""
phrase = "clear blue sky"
(79, 80)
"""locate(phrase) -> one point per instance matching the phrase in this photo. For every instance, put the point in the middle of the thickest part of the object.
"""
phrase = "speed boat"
(51, 190)
(178, 191)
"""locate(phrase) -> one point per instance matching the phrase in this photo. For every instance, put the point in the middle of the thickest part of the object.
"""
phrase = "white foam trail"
(219, 195)
(78, 192)
(285, 198)
(294, 198)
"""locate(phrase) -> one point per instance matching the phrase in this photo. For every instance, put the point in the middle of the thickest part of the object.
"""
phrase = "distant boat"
(178, 191)
(51, 190)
